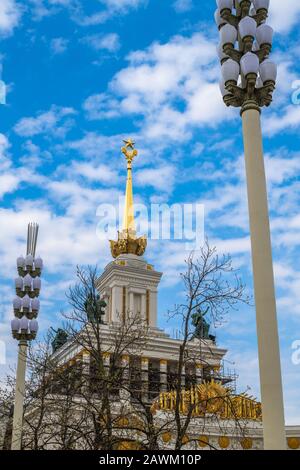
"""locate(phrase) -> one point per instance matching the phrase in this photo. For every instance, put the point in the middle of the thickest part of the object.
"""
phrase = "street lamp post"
(24, 326)
(248, 83)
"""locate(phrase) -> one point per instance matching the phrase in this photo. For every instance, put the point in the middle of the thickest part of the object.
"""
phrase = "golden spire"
(130, 152)
(127, 242)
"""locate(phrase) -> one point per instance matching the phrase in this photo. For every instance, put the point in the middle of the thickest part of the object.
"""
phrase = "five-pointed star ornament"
(129, 143)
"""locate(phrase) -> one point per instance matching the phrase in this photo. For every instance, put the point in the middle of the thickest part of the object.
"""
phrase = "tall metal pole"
(248, 83)
(266, 318)
(19, 397)
(24, 325)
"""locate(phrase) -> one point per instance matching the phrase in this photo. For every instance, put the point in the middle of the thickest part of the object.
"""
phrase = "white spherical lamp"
(264, 34)
(230, 71)
(268, 71)
(247, 27)
(15, 325)
(261, 4)
(228, 34)
(249, 64)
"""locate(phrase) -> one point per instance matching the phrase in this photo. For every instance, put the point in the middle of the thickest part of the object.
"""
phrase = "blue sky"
(81, 76)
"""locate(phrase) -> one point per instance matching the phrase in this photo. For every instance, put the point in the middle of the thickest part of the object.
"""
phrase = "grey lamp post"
(248, 83)
(24, 326)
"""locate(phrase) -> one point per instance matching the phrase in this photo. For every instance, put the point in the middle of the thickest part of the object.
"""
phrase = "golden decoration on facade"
(85, 352)
(203, 441)
(106, 355)
(210, 398)
(129, 445)
(123, 422)
(247, 443)
(224, 442)
(293, 442)
(128, 242)
(166, 437)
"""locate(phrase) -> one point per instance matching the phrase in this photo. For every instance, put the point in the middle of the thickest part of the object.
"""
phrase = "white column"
(163, 370)
(125, 394)
(107, 308)
(116, 303)
(113, 304)
(199, 373)
(131, 303)
(153, 308)
(106, 360)
(106, 364)
(110, 307)
(86, 372)
(183, 376)
(19, 397)
(145, 379)
(266, 318)
(143, 306)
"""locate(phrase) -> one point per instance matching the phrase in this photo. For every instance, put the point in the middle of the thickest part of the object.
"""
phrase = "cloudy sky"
(80, 77)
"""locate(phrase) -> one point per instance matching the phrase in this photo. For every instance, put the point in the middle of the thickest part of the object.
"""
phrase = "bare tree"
(69, 405)
(212, 288)
(7, 387)
(109, 379)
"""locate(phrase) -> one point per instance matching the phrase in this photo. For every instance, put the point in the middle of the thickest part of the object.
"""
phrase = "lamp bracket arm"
(233, 53)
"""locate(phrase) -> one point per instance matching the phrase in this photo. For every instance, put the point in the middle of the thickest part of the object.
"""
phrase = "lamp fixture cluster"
(26, 304)
(248, 76)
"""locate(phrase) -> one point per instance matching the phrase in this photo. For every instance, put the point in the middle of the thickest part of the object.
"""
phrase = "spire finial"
(127, 240)
(129, 154)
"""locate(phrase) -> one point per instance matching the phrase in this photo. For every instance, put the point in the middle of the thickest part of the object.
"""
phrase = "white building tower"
(129, 284)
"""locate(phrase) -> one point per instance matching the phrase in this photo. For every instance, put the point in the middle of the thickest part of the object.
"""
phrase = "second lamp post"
(248, 83)
(25, 325)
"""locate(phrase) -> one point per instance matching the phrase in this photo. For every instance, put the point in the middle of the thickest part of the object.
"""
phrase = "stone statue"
(60, 338)
(201, 326)
(95, 308)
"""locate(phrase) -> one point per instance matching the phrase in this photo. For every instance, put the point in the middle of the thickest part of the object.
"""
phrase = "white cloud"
(161, 178)
(59, 45)
(182, 6)
(108, 42)
(101, 173)
(103, 10)
(63, 241)
(33, 155)
(184, 72)
(48, 122)
(10, 176)
(8, 183)
(284, 16)
(121, 4)
(288, 120)
(10, 14)
(91, 143)
(281, 168)
(4, 156)
(101, 106)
